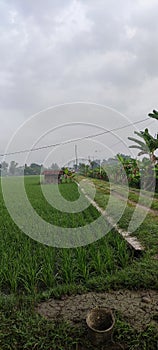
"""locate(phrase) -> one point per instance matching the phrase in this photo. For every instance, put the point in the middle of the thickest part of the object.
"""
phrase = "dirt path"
(132, 241)
(152, 211)
(139, 308)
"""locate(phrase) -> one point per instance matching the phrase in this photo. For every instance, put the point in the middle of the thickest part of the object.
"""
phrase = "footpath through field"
(133, 242)
(134, 203)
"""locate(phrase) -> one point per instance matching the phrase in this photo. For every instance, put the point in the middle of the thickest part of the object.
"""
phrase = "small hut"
(53, 176)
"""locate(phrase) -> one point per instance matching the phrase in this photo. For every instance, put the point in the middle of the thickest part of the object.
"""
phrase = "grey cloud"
(53, 52)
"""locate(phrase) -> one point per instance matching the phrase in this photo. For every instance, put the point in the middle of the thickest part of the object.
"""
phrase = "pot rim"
(97, 330)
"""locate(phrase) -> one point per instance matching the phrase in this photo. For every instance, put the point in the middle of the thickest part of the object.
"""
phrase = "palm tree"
(147, 146)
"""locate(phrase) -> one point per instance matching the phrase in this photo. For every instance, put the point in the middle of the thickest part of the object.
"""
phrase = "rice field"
(31, 271)
(29, 266)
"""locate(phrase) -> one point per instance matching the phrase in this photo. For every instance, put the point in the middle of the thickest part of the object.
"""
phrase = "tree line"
(14, 169)
(120, 168)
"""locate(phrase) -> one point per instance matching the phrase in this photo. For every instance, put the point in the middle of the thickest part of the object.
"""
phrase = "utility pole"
(76, 156)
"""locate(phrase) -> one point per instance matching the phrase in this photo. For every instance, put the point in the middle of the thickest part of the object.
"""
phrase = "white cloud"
(71, 22)
(130, 32)
(13, 16)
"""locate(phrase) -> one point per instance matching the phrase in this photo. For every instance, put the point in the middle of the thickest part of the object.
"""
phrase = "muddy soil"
(138, 308)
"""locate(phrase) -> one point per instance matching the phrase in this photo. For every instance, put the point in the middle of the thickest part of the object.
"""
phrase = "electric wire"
(73, 140)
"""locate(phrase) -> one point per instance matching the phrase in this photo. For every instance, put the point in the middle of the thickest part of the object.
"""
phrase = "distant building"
(53, 176)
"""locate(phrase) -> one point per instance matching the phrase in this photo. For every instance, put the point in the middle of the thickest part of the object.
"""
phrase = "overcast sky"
(58, 51)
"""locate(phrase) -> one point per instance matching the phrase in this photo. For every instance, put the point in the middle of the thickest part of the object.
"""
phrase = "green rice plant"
(26, 266)
(122, 253)
(111, 264)
(82, 262)
(69, 195)
(101, 257)
(10, 277)
(98, 263)
(67, 267)
(48, 274)
(30, 276)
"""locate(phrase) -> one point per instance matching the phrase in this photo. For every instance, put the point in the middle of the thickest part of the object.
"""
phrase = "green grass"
(31, 271)
(103, 191)
(147, 232)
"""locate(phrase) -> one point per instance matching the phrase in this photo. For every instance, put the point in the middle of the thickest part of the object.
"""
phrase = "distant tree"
(19, 171)
(83, 168)
(33, 169)
(104, 161)
(4, 168)
(12, 167)
(54, 166)
(94, 164)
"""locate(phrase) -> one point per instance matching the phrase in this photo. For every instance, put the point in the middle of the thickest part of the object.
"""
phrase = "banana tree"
(131, 169)
(154, 114)
(68, 174)
(147, 146)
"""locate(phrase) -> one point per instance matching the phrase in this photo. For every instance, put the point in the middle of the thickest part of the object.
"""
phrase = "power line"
(73, 140)
(122, 141)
